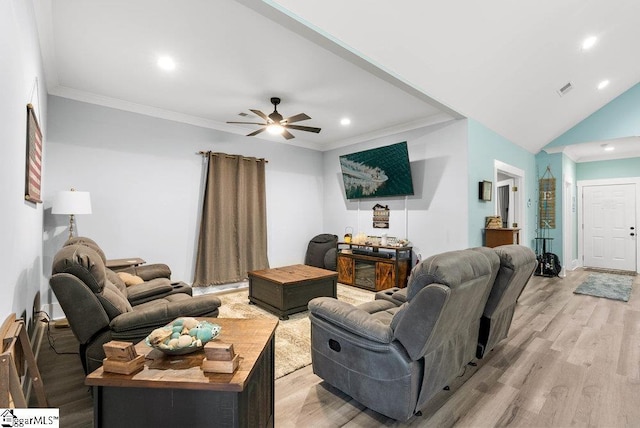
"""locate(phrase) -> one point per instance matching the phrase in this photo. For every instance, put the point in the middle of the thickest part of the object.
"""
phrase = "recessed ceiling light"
(166, 63)
(603, 84)
(589, 42)
(345, 121)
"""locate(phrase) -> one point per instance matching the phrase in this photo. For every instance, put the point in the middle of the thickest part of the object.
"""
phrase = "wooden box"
(122, 351)
(123, 367)
(220, 366)
(219, 351)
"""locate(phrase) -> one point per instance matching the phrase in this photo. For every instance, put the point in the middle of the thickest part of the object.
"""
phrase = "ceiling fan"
(276, 124)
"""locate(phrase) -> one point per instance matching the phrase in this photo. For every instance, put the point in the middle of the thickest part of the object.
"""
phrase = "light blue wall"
(619, 168)
(485, 146)
(618, 119)
(555, 164)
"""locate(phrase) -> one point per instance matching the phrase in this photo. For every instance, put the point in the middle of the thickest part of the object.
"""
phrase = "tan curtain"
(233, 229)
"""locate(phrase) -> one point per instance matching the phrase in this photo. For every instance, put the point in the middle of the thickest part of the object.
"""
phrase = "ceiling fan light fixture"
(589, 42)
(275, 129)
(166, 63)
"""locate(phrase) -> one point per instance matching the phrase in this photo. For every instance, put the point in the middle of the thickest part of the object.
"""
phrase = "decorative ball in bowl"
(182, 336)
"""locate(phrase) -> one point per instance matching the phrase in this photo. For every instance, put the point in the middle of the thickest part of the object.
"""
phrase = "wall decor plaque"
(33, 172)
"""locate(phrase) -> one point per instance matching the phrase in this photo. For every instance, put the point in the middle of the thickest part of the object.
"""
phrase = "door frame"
(518, 176)
(606, 182)
(569, 208)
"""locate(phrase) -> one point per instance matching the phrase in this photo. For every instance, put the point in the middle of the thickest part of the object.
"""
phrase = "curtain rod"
(203, 153)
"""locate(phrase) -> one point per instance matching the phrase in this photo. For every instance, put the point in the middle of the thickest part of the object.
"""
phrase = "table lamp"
(71, 202)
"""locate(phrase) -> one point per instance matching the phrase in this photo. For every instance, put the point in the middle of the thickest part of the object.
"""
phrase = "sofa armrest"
(351, 319)
(148, 272)
(139, 322)
(155, 287)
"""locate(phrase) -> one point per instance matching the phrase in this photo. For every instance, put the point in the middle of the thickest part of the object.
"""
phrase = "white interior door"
(609, 226)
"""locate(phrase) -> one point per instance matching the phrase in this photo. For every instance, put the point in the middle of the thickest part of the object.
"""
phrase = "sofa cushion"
(83, 262)
(130, 279)
(113, 301)
(88, 242)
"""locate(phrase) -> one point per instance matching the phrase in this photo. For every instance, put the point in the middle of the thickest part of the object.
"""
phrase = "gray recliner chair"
(98, 310)
(517, 264)
(394, 359)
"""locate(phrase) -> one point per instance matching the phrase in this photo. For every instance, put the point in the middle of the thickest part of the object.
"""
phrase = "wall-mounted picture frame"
(33, 170)
(485, 190)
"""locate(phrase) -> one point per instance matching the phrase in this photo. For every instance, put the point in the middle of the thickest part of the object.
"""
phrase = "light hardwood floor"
(569, 360)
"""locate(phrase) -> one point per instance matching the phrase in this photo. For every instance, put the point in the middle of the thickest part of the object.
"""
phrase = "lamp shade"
(71, 202)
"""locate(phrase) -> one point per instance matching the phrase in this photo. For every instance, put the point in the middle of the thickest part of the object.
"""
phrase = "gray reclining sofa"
(395, 353)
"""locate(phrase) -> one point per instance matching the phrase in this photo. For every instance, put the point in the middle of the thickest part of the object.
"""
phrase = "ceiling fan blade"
(261, 114)
(303, 128)
(297, 118)
(250, 123)
(256, 132)
(286, 134)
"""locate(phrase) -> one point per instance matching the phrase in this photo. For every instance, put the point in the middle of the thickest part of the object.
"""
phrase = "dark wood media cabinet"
(369, 269)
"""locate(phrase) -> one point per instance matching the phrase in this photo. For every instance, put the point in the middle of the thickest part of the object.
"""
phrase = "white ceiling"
(382, 64)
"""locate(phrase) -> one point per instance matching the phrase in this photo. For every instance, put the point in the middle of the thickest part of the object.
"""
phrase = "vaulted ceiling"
(387, 66)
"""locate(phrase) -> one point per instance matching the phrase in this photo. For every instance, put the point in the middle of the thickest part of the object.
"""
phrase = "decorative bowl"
(182, 336)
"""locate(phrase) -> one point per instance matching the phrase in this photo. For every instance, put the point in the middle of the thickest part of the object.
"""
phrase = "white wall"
(21, 236)
(145, 181)
(435, 218)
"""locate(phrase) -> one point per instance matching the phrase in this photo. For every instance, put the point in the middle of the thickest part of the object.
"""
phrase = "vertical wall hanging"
(33, 174)
(547, 200)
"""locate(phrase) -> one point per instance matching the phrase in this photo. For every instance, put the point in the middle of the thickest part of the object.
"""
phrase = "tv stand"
(373, 267)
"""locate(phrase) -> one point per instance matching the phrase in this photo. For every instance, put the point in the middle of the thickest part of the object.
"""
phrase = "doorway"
(609, 226)
(514, 177)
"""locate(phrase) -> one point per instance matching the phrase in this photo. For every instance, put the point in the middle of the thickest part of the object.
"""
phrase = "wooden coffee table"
(287, 290)
(174, 391)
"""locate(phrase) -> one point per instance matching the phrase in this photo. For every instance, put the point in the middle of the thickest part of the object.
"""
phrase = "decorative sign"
(381, 216)
(547, 203)
(33, 175)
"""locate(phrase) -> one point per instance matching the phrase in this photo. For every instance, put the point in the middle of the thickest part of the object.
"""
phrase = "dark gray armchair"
(99, 311)
(157, 277)
(394, 359)
(322, 251)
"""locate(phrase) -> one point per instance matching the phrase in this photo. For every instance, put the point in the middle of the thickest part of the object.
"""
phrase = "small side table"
(124, 263)
(502, 236)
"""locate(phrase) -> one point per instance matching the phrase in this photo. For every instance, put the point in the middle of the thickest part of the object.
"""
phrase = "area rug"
(607, 285)
(293, 336)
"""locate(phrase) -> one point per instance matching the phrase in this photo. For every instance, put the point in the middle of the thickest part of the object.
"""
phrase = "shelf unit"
(370, 270)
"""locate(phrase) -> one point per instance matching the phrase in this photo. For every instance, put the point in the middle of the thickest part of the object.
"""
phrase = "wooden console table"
(173, 391)
(503, 236)
(368, 269)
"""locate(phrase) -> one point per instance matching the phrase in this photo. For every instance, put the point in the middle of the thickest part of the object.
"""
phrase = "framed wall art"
(485, 190)
(33, 170)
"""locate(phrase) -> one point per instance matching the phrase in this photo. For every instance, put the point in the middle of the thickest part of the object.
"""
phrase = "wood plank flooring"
(569, 360)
